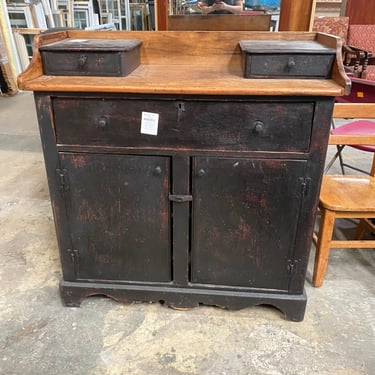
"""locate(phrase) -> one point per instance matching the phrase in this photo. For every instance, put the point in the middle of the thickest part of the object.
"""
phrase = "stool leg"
(323, 246)
(361, 228)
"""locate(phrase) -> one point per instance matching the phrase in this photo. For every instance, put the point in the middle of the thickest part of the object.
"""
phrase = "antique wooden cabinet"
(185, 182)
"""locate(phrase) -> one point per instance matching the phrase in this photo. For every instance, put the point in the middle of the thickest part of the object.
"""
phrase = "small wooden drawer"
(286, 59)
(91, 57)
(238, 125)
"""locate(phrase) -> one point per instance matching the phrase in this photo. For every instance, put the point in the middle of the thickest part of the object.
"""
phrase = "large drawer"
(234, 125)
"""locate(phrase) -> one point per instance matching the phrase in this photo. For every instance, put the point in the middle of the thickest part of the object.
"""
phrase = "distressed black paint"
(214, 209)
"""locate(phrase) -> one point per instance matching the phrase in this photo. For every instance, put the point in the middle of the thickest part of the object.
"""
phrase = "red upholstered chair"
(338, 26)
(358, 44)
(363, 37)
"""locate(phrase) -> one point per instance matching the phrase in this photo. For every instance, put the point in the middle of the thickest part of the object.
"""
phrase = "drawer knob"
(258, 127)
(102, 123)
(82, 61)
(202, 172)
(157, 170)
(291, 64)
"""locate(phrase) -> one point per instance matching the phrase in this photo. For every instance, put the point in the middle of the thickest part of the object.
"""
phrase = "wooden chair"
(345, 196)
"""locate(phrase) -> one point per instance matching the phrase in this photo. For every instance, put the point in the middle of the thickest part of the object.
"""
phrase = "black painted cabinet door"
(119, 216)
(245, 217)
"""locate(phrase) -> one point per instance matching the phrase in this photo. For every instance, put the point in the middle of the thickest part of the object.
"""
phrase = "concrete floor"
(39, 336)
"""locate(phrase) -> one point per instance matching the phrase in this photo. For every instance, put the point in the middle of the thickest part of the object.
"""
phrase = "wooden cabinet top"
(185, 62)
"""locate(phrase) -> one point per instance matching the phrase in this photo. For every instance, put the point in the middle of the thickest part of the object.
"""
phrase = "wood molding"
(296, 15)
(354, 110)
(360, 12)
(161, 15)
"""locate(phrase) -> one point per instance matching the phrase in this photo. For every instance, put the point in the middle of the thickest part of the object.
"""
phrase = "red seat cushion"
(371, 72)
(362, 36)
(360, 127)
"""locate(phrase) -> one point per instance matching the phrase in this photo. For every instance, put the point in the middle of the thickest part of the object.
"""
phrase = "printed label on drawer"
(150, 122)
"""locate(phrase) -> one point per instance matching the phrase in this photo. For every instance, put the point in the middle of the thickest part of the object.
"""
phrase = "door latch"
(180, 198)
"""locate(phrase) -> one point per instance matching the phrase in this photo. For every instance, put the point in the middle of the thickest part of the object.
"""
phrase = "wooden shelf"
(175, 66)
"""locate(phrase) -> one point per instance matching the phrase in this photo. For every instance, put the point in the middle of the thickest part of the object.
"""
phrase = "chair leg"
(339, 149)
(361, 228)
(337, 155)
(323, 246)
(372, 172)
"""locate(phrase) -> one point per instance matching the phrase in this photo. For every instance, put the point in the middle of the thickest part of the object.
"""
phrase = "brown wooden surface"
(360, 12)
(338, 72)
(354, 110)
(161, 14)
(348, 193)
(173, 62)
(220, 22)
(296, 15)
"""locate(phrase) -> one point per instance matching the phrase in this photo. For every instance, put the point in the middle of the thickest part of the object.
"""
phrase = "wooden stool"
(342, 197)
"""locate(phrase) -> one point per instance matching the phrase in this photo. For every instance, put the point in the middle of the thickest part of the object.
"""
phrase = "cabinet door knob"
(202, 172)
(102, 123)
(258, 127)
(157, 170)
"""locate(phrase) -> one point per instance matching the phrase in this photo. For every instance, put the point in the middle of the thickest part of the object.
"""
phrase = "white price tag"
(150, 122)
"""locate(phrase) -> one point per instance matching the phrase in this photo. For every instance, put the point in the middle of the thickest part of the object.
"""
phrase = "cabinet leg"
(292, 306)
(72, 297)
(293, 311)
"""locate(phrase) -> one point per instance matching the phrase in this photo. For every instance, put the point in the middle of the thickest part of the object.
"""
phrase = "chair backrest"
(350, 110)
(362, 36)
(332, 25)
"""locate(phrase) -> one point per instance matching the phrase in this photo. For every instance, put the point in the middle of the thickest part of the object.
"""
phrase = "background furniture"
(364, 127)
(358, 44)
(345, 196)
(220, 22)
(360, 12)
(190, 215)
(348, 197)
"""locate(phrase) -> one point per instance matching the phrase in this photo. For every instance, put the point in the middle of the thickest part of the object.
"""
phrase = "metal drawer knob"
(157, 170)
(102, 123)
(258, 127)
(82, 61)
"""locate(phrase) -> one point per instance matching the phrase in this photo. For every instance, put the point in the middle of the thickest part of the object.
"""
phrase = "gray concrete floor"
(39, 336)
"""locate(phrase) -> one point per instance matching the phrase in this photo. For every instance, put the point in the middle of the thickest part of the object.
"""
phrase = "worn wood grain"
(174, 61)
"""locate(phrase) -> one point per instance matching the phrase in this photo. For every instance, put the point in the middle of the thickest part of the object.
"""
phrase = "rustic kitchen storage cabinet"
(184, 181)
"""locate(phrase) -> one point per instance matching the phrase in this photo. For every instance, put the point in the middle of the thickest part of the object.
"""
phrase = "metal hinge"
(292, 266)
(305, 185)
(74, 255)
(62, 179)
